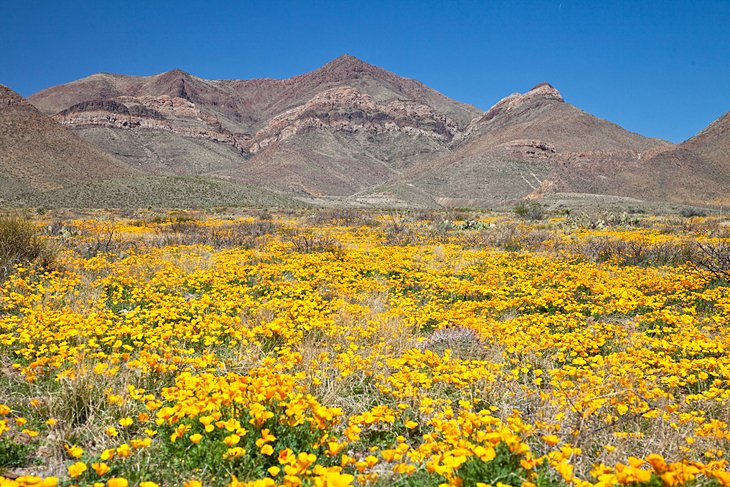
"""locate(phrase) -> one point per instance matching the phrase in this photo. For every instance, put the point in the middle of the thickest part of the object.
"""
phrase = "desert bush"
(529, 210)
(400, 235)
(104, 241)
(21, 242)
(441, 228)
(307, 243)
(505, 237)
(636, 252)
(508, 236)
(235, 235)
(398, 228)
(713, 258)
(349, 217)
(463, 342)
(264, 215)
(691, 211)
(185, 226)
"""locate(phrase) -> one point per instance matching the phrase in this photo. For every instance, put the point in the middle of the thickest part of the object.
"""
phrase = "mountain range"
(348, 133)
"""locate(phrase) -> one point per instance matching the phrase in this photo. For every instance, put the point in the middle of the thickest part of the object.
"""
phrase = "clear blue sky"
(659, 68)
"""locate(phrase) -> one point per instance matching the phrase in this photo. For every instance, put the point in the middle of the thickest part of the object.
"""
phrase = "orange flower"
(117, 482)
(100, 468)
(77, 469)
(551, 440)
(73, 451)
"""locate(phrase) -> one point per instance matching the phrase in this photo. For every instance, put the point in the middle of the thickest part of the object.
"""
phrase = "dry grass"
(21, 243)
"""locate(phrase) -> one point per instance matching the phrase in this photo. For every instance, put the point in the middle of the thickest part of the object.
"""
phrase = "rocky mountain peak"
(174, 74)
(347, 67)
(346, 60)
(545, 90)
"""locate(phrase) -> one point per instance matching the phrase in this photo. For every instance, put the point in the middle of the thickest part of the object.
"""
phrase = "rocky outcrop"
(530, 148)
(113, 107)
(513, 106)
(543, 92)
(346, 109)
(172, 114)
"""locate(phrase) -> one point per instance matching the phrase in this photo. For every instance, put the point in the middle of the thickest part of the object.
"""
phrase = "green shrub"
(529, 210)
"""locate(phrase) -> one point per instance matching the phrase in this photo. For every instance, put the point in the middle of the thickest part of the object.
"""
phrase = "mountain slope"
(152, 191)
(696, 171)
(543, 114)
(518, 145)
(713, 143)
(38, 154)
(268, 97)
(342, 141)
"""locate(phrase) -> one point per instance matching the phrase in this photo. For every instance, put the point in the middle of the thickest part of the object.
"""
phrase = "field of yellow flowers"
(345, 348)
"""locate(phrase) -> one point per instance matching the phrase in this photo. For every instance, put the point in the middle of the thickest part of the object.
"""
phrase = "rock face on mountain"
(37, 154)
(353, 133)
(265, 98)
(345, 109)
(343, 141)
(175, 115)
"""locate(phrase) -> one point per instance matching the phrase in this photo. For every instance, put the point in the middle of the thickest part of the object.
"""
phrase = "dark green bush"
(529, 210)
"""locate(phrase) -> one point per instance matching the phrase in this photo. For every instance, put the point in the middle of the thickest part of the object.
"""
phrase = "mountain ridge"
(350, 129)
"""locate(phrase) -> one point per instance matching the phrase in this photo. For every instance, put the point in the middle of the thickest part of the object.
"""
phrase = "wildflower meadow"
(343, 347)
